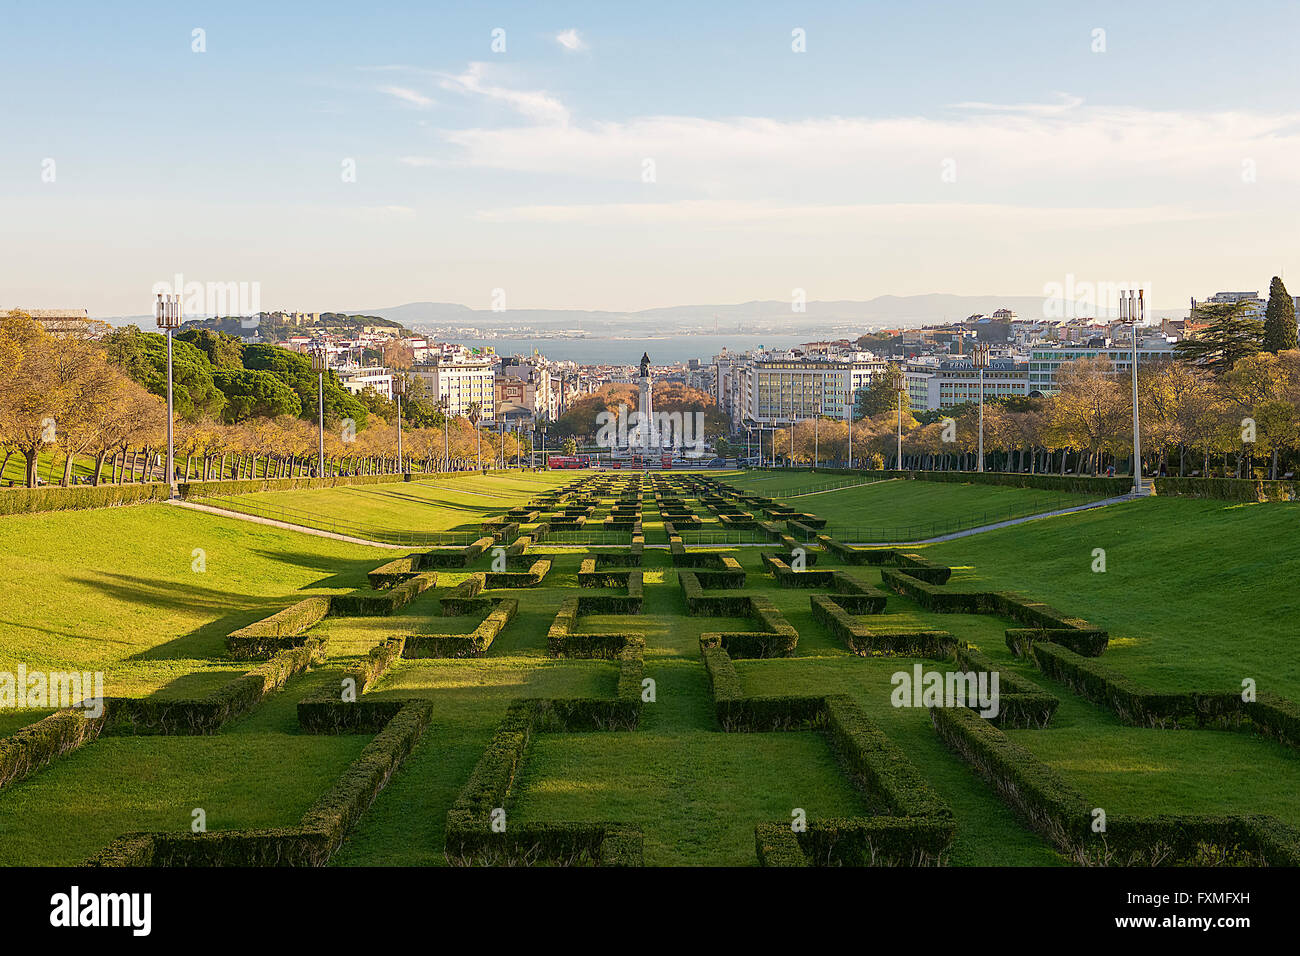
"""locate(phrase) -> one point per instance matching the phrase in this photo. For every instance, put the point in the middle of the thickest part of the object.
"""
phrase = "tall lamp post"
(474, 416)
(318, 363)
(399, 386)
(168, 315)
(981, 359)
(445, 405)
(901, 380)
(1135, 307)
(849, 406)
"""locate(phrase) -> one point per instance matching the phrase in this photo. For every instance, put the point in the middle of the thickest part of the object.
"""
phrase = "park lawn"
(116, 588)
(903, 510)
(695, 791)
(456, 502)
(259, 771)
(1196, 594)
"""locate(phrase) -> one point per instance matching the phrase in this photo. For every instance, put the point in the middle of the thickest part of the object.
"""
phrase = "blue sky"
(911, 148)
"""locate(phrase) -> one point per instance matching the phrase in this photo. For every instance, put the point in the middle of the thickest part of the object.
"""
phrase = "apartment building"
(1044, 363)
(461, 381)
(356, 379)
(776, 388)
(953, 383)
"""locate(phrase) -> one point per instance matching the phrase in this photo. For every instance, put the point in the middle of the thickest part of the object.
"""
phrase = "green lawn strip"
(1196, 594)
(900, 509)
(439, 503)
(89, 589)
(405, 824)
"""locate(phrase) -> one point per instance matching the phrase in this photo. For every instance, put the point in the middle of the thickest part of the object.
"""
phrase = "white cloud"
(537, 105)
(407, 95)
(570, 40)
(1059, 151)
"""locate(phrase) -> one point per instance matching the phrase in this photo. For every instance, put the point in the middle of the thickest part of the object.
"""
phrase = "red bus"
(568, 461)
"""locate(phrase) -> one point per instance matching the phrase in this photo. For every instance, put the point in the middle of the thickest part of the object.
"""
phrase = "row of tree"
(1192, 420)
(82, 399)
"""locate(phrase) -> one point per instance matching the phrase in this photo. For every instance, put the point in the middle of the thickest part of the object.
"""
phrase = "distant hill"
(908, 311)
(886, 310)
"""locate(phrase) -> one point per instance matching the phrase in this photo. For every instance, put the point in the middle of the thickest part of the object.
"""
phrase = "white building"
(356, 379)
(953, 383)
(461, 381)
(1044, 363)
(777, 388)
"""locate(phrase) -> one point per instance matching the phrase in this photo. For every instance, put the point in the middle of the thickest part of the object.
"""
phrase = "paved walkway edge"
(289, 527)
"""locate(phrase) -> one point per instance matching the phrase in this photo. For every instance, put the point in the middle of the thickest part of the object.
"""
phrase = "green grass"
(454, 502)
(1195, 594)
(902, 510)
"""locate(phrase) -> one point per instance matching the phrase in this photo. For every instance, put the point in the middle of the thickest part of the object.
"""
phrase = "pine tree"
(1279, 319)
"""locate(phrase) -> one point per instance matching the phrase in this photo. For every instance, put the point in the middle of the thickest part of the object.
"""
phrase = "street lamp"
(901, 381)
(981, 359)
(474, 416)
(1134, 308)
(167, 311)
(319, 362)
(399, 386)
(848, 404)
(444, 404)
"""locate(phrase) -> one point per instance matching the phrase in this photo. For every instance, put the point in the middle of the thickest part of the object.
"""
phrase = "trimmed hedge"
(470, 838)
(866, 641)
(318, 834)
(911, 824)
(475, 644)
(534, 576)
(563, 638)
(382, 603)
(1061, 814)
(1101, 486)
(278, 632)
(1094, 681)
(18, 501)
(917, 566)
(1037, 615)
(1021, 702)
(326, 712)
(394, 572)
(206, 715)
(42, 742)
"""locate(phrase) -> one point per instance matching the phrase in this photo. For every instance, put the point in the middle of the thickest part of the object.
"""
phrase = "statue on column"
(645, 364)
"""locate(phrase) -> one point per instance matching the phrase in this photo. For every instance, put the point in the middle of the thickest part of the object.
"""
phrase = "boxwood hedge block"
(867, 641)
(381, 603)
(318, 834)
(30, 748)
(278, 632)
(500, 612)
(206, 715)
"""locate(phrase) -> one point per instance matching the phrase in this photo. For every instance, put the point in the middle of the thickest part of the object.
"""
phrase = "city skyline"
(346, 161)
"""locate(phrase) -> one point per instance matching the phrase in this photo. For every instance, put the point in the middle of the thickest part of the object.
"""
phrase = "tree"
(31, 398)
(569, 447)
(1091, 408)
(143, 356)
(883, 394)
(255, 394)
(1230, 336)
(1279, 319)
